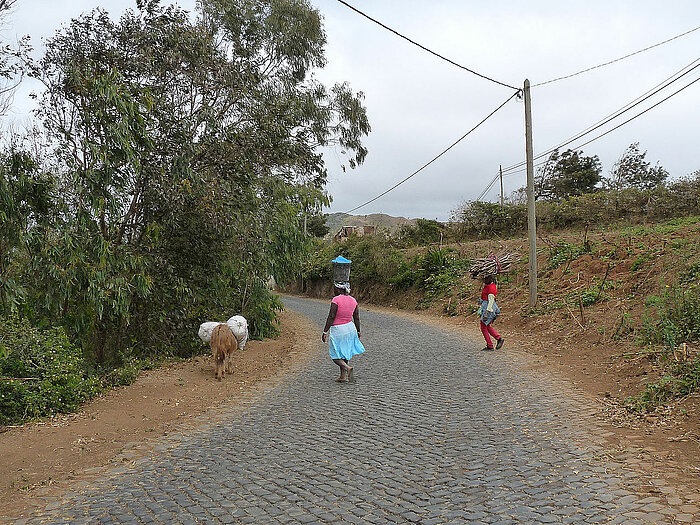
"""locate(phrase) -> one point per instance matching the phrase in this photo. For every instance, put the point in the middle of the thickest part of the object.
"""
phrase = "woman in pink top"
(342, 330)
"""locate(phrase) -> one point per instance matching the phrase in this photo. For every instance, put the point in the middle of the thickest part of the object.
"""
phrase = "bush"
(485, 219)
(41, 373)
(682, 379)
(375, 259)
(678, 322)
(477, 219)
(423, 232)
(678, 317)
(563, 252)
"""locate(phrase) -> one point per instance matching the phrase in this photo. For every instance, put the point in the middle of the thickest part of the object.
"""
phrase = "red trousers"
(487, 329)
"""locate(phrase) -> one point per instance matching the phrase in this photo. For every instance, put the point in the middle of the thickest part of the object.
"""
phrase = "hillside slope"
(382, 221)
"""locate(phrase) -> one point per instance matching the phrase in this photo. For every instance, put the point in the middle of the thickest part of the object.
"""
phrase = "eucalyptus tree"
(11, 60)
(567, 174)
(632, 171)
(190, 148)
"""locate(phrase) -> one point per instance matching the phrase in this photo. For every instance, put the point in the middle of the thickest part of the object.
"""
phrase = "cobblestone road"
(432, 431)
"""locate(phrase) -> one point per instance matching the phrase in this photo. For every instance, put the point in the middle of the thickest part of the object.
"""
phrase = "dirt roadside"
(43, 460)
(40, 461)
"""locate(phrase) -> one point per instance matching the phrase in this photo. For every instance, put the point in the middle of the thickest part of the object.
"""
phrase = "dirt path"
(41, 460)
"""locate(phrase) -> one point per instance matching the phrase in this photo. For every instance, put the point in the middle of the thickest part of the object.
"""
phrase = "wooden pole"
(531, 225)
(500, 172)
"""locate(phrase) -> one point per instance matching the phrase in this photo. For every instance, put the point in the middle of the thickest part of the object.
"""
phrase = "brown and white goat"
(223, 345)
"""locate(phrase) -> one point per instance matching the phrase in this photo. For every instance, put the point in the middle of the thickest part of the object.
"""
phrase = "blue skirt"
(343, 342)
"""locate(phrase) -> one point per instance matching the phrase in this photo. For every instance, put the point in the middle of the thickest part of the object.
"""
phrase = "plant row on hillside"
(676, 199)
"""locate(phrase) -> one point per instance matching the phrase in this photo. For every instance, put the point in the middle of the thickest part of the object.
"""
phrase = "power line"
(437, 156)
(491, 183)
(617, 59)
(639, 114)
(642, 98)
(425, 48)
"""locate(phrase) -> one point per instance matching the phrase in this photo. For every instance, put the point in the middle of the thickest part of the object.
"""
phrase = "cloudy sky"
(418, 104)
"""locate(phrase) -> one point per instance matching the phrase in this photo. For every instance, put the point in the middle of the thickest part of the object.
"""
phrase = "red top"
(346, 307)
(489, 288)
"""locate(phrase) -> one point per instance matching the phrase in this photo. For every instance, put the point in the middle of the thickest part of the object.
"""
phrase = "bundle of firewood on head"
(492, 265)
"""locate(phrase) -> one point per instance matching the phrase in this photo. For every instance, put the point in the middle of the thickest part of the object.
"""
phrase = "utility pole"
(500, 172)
(531, 225)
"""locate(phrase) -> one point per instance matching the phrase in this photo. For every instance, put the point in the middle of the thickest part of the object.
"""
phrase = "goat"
(223, 345)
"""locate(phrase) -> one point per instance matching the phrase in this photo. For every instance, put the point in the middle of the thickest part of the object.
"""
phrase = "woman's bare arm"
(356, 319)
(329, 321)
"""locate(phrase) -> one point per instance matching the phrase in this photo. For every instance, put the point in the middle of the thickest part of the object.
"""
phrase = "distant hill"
(383, 222)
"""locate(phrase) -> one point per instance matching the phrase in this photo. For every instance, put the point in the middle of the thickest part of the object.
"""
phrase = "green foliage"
(678, 201)
(172, 213)
(442, 280)
(640, 261)
(677, 319)
(374, 259)
(590, 295)
(690, 275)
(673, 225)
(564, 252)
(421, 233)
(631, 170)
(566, 175)
(682, 379)
(25, 203)
(41, 373)
(484, 219)
(262, 311)
(436, 271)
(408, 273)
(316, 225)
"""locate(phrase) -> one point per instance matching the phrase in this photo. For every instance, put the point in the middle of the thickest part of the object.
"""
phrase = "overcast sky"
(418, 105)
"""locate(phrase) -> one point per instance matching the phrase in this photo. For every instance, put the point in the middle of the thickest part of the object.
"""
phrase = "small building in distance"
(347, 231)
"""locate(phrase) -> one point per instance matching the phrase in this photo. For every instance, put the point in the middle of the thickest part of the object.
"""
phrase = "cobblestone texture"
(432, 431)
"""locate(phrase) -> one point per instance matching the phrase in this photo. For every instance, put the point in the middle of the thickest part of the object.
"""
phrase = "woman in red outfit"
(488, 312)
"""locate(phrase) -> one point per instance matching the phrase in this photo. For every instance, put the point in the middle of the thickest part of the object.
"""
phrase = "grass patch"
(682, 379)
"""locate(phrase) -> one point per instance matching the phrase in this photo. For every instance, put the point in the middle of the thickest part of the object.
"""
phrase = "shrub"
(41, 373)
(485, 219)
(563, 252)
(678, 317)
(423, 232)
(679, 199)
(408, 273)
(441, 279)
(375, 259)
(681, 380)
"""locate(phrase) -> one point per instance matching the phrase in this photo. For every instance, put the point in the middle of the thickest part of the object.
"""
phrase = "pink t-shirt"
(346, 307)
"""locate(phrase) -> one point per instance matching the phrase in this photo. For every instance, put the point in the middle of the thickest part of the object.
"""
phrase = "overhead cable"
(520, 165)
(616, 60)
(639, 114)
(437, 156)
(642, 98)
(425, 48)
